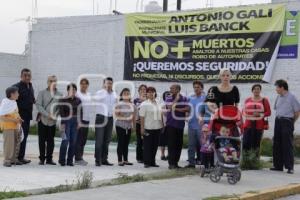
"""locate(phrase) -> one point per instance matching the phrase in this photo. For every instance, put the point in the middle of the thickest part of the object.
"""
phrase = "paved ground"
(187, 188)
(295, 197)
(33, 176)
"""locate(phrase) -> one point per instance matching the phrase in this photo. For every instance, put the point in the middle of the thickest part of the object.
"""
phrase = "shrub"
(250, 161)
(84, 180)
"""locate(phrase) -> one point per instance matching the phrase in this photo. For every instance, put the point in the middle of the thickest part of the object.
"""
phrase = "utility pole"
(165, 6)
(178, 4)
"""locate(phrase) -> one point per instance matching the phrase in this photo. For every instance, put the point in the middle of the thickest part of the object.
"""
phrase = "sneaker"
(121, 164)
(81, 162)
(42, 162)
(7, 164)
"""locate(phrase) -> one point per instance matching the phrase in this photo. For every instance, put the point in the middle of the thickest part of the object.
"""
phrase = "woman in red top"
(256, 109)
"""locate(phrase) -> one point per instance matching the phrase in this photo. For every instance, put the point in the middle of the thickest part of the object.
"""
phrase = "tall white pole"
(110, 6)
(93, 7)
(137, 5)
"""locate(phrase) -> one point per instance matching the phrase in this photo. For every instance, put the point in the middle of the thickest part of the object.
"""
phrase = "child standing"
(10, 122)
(207, 153)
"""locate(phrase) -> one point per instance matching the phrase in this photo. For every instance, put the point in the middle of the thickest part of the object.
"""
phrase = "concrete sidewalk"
(34, 176)
(187, 188)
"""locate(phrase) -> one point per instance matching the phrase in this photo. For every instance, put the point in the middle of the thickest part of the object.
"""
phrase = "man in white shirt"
(105, 100)
(83, 131)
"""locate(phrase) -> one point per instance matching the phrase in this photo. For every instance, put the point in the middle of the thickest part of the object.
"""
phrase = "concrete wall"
(10, 67)
(71, 46)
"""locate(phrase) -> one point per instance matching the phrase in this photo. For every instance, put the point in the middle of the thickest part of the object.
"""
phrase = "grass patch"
(12, 194)
(125, 179)
(83, 181)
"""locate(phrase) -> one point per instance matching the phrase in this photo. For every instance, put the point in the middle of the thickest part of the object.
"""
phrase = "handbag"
(266, 121)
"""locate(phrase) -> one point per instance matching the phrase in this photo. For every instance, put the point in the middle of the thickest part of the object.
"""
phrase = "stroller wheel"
(232, 180)
(238, 175)
(214, 176)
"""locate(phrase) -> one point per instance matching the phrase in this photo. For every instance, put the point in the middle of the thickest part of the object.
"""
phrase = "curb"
(272, 193)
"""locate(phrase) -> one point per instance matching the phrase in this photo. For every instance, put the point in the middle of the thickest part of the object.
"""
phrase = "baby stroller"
(226, 127)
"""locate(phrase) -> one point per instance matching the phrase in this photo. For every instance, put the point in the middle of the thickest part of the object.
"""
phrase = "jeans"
(69, 141)
(193, 144)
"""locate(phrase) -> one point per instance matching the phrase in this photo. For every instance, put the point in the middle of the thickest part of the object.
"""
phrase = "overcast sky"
(13, 28)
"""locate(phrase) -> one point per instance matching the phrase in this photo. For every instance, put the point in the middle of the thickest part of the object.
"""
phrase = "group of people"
(155, 123)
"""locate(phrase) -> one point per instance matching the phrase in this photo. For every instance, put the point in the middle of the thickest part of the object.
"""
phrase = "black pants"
(252, 139)
(283, 149)
(207, 159)
(46, 141)
(25, 127)
(123, 137)
(139, 143)
(81, 140)
(175, 142)
(151, 140)
(103, 131)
